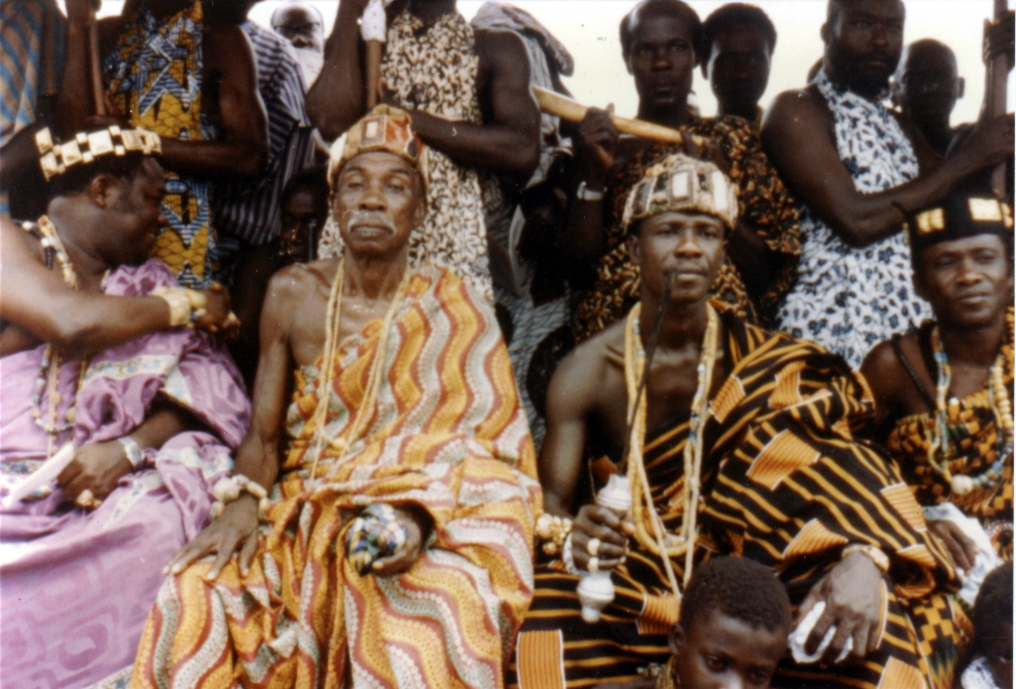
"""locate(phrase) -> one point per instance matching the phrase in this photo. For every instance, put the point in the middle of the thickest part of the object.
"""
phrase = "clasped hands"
(94, 473)
(852, 590)
(235, 531)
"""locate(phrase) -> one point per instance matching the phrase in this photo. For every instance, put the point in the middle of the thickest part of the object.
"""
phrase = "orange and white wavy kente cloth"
(447, 433)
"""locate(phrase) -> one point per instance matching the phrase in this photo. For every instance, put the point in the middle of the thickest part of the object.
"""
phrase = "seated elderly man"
(741, 442)
(148, 427)
(944, 394)
(396, 546)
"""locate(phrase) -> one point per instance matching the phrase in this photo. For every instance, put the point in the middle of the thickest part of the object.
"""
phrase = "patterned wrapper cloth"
(446, 435)
(154, 77)
(785, 482)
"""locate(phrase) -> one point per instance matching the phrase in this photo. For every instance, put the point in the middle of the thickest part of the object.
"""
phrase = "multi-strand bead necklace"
(998, 400)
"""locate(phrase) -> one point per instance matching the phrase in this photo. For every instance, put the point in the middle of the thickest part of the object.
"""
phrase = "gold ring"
(593, 547)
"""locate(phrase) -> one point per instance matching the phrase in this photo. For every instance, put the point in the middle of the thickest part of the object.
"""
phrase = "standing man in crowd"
(738, 41)
(660, 41)
(192, 81)
(927, 87)
(303, 26)
(470, 103)
(845, 155)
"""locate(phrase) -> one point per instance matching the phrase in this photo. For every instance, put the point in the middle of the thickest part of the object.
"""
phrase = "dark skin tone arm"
(506, 143)
(98, 467)
(800, 121)
(229, 89)
(40, 308)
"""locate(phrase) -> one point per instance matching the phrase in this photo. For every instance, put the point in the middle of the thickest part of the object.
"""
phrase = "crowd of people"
(319, 370)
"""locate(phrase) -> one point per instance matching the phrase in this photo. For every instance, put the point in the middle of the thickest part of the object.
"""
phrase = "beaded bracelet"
(228, 489)
(878, 558)
(135, 453)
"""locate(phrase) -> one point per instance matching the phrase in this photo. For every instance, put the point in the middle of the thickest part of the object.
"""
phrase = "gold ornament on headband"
(384, 129)
(56, 158)
(681, 183)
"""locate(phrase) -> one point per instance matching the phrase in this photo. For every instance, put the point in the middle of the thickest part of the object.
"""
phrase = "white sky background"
(589, 29)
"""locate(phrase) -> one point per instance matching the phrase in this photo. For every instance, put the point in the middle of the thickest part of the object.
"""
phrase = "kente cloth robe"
(77, 584)
(784, 482)
(446, 434)
(973, 448)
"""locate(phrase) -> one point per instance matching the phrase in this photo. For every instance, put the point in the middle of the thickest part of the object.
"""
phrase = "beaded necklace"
(326, 375)
(663, 544)
(998, 400)
(49, 370)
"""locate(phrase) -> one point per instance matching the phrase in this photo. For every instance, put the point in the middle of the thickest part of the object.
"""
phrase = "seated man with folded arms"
(152, 423)
(742, 443)
(395, 549)
(955, 374)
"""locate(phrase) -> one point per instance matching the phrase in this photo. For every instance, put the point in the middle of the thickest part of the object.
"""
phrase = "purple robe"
(76, 585)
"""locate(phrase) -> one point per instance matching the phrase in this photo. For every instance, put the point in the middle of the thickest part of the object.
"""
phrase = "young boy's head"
(993, 623)
(733, 628)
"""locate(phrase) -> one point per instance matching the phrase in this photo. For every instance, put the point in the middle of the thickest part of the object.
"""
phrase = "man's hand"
(852, 593)
(218, 318)
(989, 143)
(96, 467)
(960, 546)
(999, 39)
(235, 529)
(410, 552)
(596, 521)
(598, 139)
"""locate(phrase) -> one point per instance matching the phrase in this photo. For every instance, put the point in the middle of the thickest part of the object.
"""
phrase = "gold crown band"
(981, 210)
(56, 158)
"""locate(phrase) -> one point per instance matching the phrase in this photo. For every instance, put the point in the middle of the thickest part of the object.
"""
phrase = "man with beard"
(843, 153)
(737, 46)
(303, 26)
(736, 442)
(660, 42)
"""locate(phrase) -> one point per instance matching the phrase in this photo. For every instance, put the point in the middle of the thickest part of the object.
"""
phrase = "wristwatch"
(584, 193)
(135, 454)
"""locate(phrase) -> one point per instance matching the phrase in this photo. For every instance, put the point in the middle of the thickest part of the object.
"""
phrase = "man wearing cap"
(395, 546)
(764, 424)
(148, 426)
(955, 374)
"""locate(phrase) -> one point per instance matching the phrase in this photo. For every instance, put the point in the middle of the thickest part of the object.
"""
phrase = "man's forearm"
(258, 458)
(214, 158)
(165, 421)
(491, 148)
(74, 102)
(337, 98)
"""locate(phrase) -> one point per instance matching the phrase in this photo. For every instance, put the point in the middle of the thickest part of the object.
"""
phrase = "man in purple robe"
(152, 424)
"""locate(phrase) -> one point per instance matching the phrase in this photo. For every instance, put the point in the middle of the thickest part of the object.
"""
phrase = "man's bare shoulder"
(583, 372)
(227, 48)
(883, 369)
(794, 108)
(499, 49)
(291, 285)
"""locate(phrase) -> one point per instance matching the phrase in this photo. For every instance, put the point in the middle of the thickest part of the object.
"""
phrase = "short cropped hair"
(736, 14)
(993, 605)
(657, 8)
(313, 178)
(78, 177)
(740, 588)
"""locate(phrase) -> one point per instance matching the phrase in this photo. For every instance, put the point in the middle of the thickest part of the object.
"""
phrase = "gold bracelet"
(179, 302)
(873, 553)
(553, 531)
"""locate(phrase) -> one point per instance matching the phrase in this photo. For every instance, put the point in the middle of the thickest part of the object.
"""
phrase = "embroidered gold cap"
(55, 158)
(960, 215)
(384, 129)
(681, 183)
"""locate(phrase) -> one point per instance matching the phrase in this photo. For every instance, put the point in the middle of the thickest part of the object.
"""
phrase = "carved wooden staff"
(995, 95)
(567, 109)
(98, 90)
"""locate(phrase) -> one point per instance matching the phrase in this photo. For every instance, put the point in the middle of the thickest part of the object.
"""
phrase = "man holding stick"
(660, 40)
(771, 471)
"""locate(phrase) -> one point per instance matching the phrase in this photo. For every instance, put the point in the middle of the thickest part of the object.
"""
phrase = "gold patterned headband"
(56, 158)
(958, 216)
(681, 183)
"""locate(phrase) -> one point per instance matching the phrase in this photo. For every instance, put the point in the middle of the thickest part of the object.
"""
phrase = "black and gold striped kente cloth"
(785, 482)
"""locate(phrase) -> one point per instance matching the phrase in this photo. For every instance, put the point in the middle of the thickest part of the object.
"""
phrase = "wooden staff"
(567, 109)
(373, 30)
(373, 72)
(98, 90)
(995, 95)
